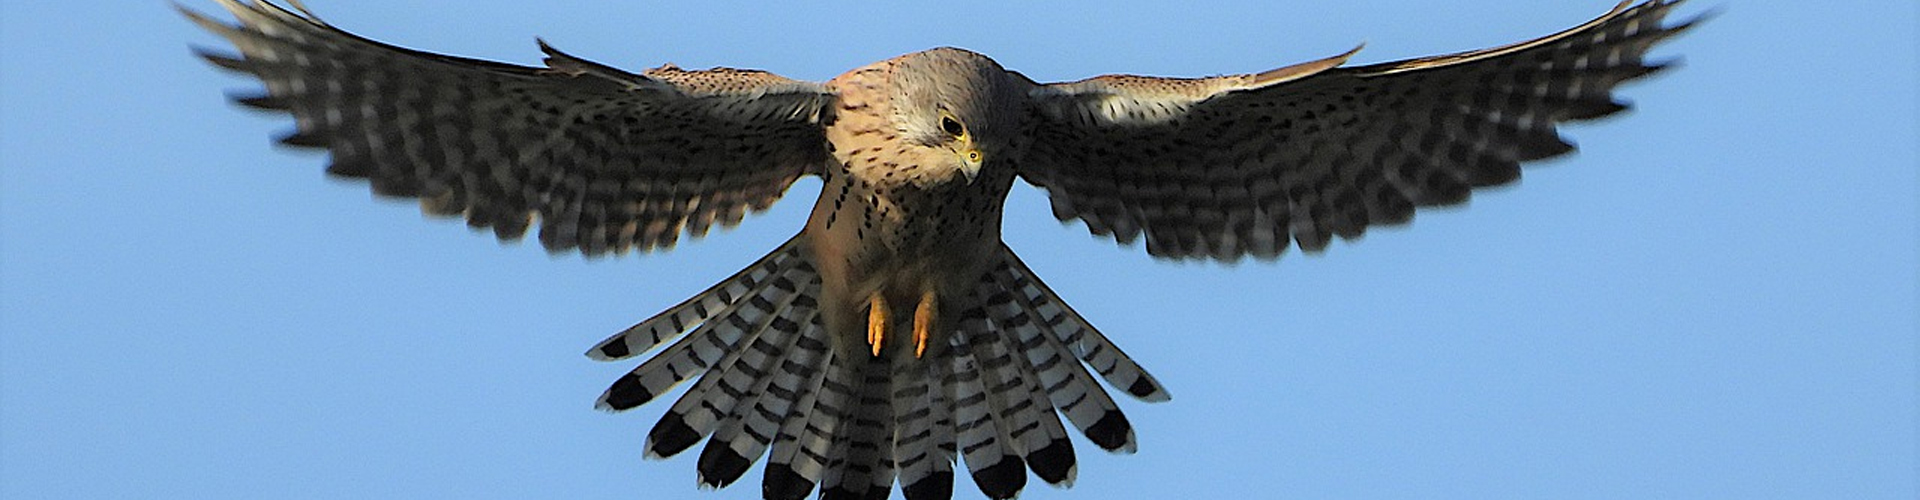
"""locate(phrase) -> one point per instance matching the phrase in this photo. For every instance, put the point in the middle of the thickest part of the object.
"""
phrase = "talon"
(876, 322)
(923, 322)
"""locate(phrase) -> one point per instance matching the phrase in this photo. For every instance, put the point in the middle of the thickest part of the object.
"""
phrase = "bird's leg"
(923, 316)
(876, 321)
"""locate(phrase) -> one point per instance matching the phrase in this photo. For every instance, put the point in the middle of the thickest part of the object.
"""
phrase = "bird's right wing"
(604, 159)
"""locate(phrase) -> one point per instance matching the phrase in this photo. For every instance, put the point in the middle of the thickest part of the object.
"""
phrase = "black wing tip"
(349, 169)
(782, 483)
(391, 186)
(1654, 68)
(310, 140)
(1143, 387)
(1053, 463)
(1003, 479)
(848, 493)
(1669, 30)
(1112, 432)
(936, 486)
(671, 436)
(1544, 149)
(223, 60)
(1682, 26)
(627, 392)
(1594, 110)
(267, 102)
(612, 350)
(720, 466)
(547, 48)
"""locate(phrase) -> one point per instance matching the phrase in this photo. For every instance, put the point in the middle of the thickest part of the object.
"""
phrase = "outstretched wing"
(1235, 165)
(605, 160)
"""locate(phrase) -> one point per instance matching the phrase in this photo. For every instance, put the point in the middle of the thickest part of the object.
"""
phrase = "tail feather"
(1081, 337)
(796, 454)
(747, 431)
(1048, 451)
(1070, 388)
(923, 432)
(1012, 382)
(985, 444)
(775, 382)
(706, 305)
(721, 332)
(801, 454)
(1053, 461)
(863, 467)
(731, 380)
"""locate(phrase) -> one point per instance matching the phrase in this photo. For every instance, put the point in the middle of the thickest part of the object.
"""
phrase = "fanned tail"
(853, 425)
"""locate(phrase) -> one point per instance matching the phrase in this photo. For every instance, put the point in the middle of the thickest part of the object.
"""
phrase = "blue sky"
(1714, 299)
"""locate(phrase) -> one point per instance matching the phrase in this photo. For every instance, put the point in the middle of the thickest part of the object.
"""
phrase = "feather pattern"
(917, 155)
(862, 458)
(1238, 165)
(746, 364)
(1053, 316)
(717, 332)
(802, 453)
(797, 455)
(685, 316)
(603, 160)
(983, 440)
(923, 443)
(852, 424)
(1022, 405)
(745, 433)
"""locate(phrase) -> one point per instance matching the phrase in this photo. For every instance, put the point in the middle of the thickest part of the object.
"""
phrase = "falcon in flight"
(896, 336)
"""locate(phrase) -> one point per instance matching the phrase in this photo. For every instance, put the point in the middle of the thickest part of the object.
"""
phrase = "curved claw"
(923, 317)
(876, 321)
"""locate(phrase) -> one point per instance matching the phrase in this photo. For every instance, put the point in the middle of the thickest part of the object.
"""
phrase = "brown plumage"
(896, 336)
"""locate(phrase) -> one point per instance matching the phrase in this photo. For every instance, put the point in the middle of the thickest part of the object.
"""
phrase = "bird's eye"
(952, 126)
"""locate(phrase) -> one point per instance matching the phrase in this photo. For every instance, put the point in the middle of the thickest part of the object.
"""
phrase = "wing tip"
(229, 62)
(204, 21)
(626, 393)
(720, 466)
(612, 349)
(783, 483)
(1004, 479)
(936, 485)
(560, 62)
(671, 436)
(1149, 390)
(1054, 463)
(1112, 432)
(1684, 25)
(1305, 69)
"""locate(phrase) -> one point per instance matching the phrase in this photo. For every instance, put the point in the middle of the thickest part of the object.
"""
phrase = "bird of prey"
(896, 336)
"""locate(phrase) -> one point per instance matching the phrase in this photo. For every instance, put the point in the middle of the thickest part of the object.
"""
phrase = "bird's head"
(962, 105)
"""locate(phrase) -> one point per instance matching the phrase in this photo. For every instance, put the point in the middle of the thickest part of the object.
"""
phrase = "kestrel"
(896, 334)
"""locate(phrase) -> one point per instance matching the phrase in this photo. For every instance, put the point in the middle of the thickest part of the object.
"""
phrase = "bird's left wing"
(603, 159)
(1243, 164)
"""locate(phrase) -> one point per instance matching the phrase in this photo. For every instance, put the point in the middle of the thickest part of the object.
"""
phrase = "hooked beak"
(970, 160)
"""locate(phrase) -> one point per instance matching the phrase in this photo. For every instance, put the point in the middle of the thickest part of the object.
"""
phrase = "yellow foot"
(876, 321)
(923, 322)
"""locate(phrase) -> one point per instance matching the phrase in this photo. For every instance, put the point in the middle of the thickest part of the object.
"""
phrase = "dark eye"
(952, 127)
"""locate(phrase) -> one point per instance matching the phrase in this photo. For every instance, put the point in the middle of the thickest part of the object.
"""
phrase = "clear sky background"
(1714, 299)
